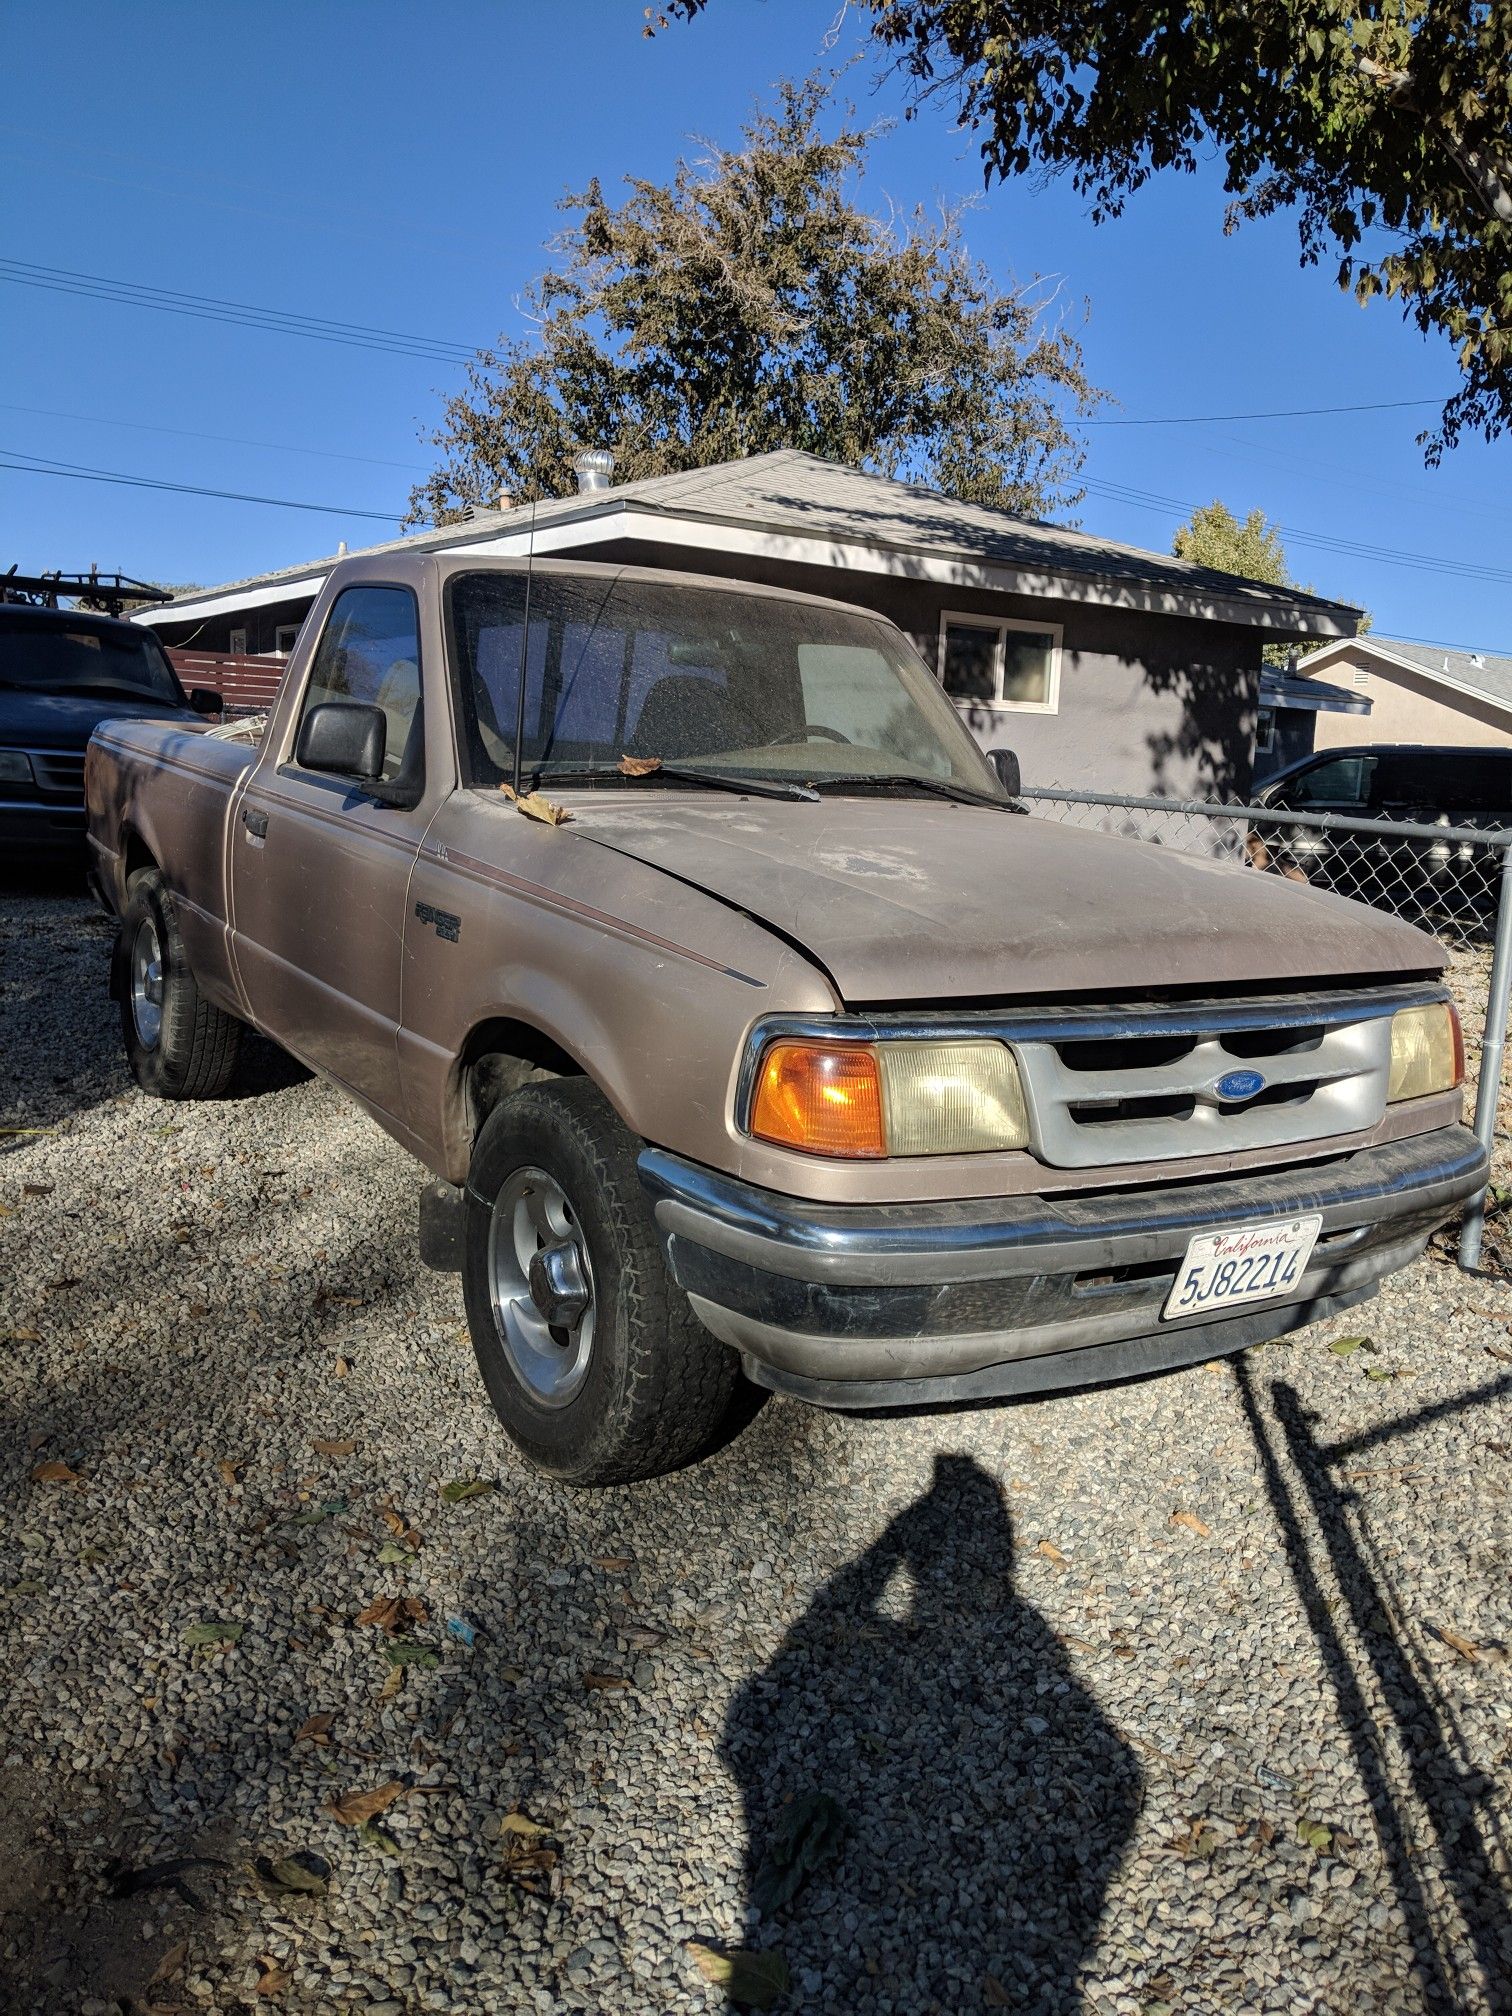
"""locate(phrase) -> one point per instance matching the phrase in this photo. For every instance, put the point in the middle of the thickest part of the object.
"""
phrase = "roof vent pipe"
(594, 469)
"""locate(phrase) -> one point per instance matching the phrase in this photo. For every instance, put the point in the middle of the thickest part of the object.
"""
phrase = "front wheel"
(595, 1364)
(178, 1045)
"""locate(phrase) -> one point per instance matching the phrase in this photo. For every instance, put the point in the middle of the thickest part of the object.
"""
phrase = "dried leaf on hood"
(354, 1808)
(535, 805)
(750, 1980)
(639, 766)
(1193, 1524)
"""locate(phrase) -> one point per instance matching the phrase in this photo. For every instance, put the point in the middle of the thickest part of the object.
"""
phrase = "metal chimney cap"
(594, 469)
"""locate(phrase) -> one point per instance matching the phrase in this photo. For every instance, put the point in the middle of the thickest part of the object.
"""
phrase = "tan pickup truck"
(762, 1034)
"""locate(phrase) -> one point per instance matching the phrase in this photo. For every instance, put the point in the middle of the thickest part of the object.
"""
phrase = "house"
(1105, 667)
(1289, 710)
(1416, 693)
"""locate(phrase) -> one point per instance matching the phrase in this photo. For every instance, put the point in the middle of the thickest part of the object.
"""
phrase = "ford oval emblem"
(1239, 1085)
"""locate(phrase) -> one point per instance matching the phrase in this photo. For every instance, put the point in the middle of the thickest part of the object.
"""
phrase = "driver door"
(321, 863)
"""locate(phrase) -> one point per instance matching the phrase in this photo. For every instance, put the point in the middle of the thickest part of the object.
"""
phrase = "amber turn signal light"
(824, 1099)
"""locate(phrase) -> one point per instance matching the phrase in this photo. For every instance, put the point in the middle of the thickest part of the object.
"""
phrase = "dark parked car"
(62, 672)
(1414, 783)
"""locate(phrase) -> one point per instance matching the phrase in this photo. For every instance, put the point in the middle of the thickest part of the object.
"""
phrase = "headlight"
(14, 767)
(1427, 1051)
(868, 1100)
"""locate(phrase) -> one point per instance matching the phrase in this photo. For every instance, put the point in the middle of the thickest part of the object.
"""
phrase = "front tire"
(595, 1364)
(177, 1044)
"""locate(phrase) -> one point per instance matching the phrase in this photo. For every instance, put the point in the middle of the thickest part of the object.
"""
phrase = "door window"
(1343, 780)
(370, 653)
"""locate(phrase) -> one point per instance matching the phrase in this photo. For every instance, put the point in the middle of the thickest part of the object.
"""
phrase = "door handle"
(256, 823)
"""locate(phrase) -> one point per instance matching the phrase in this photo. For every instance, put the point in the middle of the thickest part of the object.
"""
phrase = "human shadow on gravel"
(1420, 1720)
(921, 1767)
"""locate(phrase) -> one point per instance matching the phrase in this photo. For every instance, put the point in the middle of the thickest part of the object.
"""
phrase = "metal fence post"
(1493, 1051)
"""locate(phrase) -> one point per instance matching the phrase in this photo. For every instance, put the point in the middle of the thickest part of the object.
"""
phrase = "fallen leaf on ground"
(1075, 1644)
(330, 1508)
(298, 1875)
(382, 1611)
(23, 1336)
(55, 1473)
(1265, 1833)
(230, 1470)
(274, 1978)
(1052, 1553)
(1193, 1524)
(405, 1652)
(466, 1487)
(1495, 1351)
(1456, 1643)
(1378, 1372)
(1315, 1835)
(211, 1632)
(378, 1837)
(1344, 1347)
(995, 1993)
(391, 1553)
(521, 1823)
(37, 1189)
(808, 1832)
(342, 1367)
(354, 1808)
(606, 1683)
(537, 806)
(170, 1963)
(317, 1729)
(324, 1448)
(752, 1980)
(393, 1681)
(613, 1564)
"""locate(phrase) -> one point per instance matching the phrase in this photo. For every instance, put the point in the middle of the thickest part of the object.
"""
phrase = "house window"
(285, 637)
(238, 644)
(1265, 732)
(985, 662)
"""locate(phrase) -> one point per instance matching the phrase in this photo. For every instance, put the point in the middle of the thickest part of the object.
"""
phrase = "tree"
(1251, 546)
(1386, 127)
(751, 304)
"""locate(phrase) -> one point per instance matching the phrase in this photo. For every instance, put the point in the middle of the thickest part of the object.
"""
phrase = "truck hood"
(34, 720)
(902, 900)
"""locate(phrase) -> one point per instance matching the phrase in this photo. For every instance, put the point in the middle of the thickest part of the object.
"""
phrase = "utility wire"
(35, 465)
(239, 314)
(229, 440)
(1278, 413)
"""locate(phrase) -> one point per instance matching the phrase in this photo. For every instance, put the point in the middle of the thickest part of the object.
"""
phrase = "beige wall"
(1405, 707)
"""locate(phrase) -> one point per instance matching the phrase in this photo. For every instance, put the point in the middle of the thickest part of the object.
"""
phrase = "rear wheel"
(178, 1045)
(596, 1365)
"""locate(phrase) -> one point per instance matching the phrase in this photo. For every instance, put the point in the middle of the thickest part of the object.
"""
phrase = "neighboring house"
(1105, 667)
(1289, 710)
(1417, 693)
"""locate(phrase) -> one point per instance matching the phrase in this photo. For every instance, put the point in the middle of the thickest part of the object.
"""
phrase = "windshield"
(740, 684)
(45, 653)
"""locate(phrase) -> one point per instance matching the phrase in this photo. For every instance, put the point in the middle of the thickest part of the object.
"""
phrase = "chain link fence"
(1452, 881)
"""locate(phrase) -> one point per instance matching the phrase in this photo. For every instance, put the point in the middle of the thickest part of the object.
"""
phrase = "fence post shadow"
(1420, 1723)
(990, 1800)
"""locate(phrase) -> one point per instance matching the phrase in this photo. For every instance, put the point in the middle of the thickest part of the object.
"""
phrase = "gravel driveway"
(1189, 1695)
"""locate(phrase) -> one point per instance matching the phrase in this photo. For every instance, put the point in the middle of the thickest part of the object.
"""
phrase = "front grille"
(59, 773)
(1154, 1096)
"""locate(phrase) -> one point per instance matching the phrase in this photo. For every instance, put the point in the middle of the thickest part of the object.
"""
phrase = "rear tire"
(177, 1044)
(595, 1364)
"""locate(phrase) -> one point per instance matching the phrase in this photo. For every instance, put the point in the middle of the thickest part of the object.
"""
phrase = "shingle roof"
(799, 494)
(1483, 673)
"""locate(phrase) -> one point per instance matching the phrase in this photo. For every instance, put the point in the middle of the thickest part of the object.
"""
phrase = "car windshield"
(46, 653)
(739, 685)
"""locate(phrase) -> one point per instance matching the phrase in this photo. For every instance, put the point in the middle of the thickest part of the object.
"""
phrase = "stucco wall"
(1406, 707)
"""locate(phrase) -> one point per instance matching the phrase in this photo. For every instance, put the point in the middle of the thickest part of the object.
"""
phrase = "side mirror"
(341, 736)
(1006, 764)
(204, 701)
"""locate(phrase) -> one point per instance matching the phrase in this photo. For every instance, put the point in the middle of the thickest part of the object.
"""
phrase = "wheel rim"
(147, 984)
(541, 1280)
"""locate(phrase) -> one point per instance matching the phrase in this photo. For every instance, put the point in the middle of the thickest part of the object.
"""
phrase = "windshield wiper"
(716, 780)
(937, 787)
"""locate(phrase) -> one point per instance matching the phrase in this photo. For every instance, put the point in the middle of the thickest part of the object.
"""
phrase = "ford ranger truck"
(747, 1027)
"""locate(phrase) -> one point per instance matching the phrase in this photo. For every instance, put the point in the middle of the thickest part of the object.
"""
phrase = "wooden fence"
(246, 685)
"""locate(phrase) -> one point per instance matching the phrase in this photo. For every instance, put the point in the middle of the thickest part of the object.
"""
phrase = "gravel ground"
(1189, 1695)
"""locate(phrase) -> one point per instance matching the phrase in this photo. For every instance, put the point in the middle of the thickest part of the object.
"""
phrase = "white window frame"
(289, 630)
(975, 620)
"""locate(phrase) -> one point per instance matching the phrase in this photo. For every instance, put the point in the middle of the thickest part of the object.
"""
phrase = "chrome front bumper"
(901, 1305)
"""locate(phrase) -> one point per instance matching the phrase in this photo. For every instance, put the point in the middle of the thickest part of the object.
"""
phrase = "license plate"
(1243, 1263)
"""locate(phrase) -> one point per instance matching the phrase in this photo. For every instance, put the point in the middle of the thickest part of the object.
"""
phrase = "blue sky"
(377, 163)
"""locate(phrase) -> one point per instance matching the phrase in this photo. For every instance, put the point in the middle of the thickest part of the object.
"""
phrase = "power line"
(230, 440)
(1278, 413)
(35, 465)
(238, 314)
